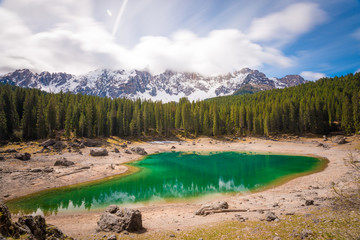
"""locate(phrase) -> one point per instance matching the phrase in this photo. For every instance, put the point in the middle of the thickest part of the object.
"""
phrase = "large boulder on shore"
(208, 208)
(23, 156)
(139, 150)
(63, 162)
(98, 152)
(339, 140)
(116, 219)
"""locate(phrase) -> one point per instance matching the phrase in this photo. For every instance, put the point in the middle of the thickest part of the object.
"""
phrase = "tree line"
(329, 104)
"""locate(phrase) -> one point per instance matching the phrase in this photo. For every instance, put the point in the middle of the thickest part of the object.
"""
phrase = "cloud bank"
(312, 76)
(70, 39)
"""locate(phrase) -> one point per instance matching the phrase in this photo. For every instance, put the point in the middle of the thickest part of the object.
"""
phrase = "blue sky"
(280, 37)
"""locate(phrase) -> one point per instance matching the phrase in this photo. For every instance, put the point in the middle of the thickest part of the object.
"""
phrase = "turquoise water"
(173, 175)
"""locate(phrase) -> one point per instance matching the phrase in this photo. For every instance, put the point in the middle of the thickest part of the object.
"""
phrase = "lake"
(173, 176)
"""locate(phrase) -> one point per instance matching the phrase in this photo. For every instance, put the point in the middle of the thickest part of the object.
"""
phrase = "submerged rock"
(116, 219)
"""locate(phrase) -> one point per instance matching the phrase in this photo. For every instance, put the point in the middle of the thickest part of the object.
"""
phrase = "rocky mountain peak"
(166, 86)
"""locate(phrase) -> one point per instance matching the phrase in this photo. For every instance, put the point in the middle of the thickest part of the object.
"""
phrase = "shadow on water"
(171, 175)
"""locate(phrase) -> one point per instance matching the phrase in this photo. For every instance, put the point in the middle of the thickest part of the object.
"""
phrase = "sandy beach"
(18, 178)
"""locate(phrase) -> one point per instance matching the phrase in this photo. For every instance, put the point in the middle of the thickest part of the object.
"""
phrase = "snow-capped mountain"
(167, 86)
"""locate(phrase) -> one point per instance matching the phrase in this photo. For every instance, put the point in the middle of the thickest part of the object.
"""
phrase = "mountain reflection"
(168, 176)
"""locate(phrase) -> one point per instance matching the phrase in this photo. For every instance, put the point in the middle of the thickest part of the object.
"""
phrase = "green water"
(172, 175)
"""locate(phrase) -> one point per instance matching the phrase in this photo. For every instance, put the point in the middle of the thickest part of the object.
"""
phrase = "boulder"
(339, 140)
(23, 156)
(98, 152)
(207, 208)
(34, 225)
(2, 158)
(92, 143)
(173, 147)
(270, 216)
(116, 219)
(59, 145)
(30, 227)
(48, 143)
(63, 162)
(139, 150)
(309, 202)
(124, 145)
(5, 221)
(127, 151)
(116, 150)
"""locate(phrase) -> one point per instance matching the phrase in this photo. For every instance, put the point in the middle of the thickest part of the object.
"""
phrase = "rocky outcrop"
(28, 227)
(116, 219)
(205, 209)
(23, 156)
(98, 152)
(63, 162)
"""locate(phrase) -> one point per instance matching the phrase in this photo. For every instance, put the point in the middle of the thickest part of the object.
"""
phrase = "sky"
(312, 38)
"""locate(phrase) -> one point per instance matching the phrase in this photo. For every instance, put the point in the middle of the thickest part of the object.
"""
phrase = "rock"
(173, 147)
(92, 143)
(5, 221)
(63, 162)
(270, 216)
(127, 151)
(340, 140)
(23, 156)
(81, 145)
(140, 151)
(59, 145)
(112, 237)
(48, 170)
(36, 225)
(116, 219)
(309, 202)
(305, 233)
(211, 207)
(276, 205)
(172, 235)
(98, 152)
(29, 227)
(48, 143)
(129, 142)
(124, 145)
(10, 150)
(116, 150)
(2, 158)
(240, 218)
(276, 238)
(325, 138)
(35, 170)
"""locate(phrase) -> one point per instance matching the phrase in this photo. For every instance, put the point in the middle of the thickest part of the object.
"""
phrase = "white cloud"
(70, 39)
(287, 24)
(357, 71)
(312, 76)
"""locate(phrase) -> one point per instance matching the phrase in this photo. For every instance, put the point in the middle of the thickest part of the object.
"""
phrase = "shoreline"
(163, 216)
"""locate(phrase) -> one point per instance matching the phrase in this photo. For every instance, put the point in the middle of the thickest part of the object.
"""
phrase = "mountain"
(167, 86)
